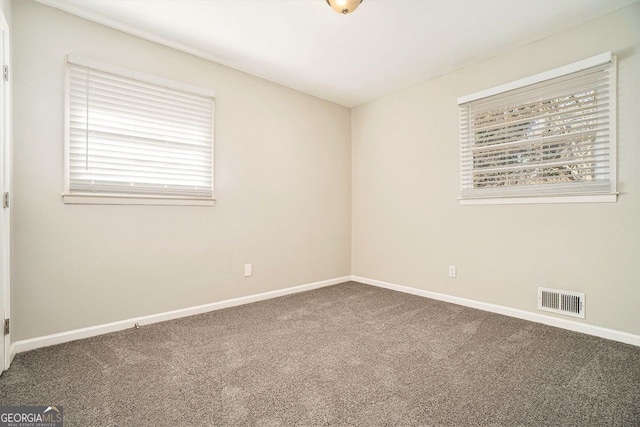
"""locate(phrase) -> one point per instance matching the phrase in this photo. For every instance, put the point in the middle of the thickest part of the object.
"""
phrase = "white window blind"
(134, 135)
(546, 136)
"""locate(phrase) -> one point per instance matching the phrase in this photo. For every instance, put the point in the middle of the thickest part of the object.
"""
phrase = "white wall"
(282, 171)
(407, 223)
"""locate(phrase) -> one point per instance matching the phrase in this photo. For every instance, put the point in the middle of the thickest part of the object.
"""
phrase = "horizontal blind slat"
(81, 72)
(552, 116)
(135, 148)
(534, 158)
(144, 110)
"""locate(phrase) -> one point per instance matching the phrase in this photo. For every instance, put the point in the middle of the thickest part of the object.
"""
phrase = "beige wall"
(407, 223)
(309, 191)
(282, 171)
(5, 7)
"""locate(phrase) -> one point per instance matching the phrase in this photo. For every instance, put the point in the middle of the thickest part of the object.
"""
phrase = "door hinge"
(5, 200)
(6, 327)
(5, 73)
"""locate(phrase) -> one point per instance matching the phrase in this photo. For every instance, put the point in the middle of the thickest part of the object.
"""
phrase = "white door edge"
(5, 180)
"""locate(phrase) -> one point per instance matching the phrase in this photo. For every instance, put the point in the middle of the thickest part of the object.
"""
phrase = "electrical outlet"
(248, 270)
(452, 271)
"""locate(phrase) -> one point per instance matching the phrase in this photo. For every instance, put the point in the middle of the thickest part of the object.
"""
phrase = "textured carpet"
(349, 354)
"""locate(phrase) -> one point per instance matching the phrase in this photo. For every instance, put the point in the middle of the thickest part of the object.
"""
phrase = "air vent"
(561, 302)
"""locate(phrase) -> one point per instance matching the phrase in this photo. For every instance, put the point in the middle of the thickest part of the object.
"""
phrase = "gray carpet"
(349, 354)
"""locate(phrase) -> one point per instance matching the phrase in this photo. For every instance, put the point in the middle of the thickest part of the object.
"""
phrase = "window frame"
(74, 197)
(586, 197)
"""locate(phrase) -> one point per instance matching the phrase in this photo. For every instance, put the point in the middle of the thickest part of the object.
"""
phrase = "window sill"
(596, 198)
(118, 199)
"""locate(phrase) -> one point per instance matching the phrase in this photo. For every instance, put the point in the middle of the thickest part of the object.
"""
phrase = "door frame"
(5, 181)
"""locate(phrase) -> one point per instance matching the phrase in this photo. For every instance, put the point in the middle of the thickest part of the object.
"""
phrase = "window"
(548, 138)
(131, 138)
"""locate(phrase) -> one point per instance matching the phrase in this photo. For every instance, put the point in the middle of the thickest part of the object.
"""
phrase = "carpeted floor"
(349, 354)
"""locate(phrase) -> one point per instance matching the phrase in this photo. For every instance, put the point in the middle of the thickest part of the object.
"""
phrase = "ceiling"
(382, 47)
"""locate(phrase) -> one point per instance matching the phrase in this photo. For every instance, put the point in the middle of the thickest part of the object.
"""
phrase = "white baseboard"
(59, 338)
(584, 328)
(92, 331)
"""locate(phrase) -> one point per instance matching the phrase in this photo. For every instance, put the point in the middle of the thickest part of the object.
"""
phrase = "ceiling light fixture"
(344, 6)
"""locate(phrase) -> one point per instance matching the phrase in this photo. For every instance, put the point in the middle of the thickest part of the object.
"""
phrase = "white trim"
(570, 325)
(613, 119)
(594, 61)
(12, 354)
(601, 198)
(92, 331)
(105, 199)
(137, 75)
(67, 130)
(62, 337)
(7, 146)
